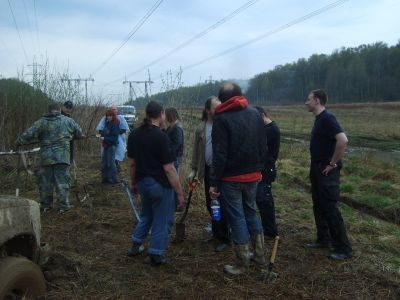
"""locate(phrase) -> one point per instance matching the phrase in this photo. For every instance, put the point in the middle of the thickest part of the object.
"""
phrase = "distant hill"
(367, 73)
(20, 106)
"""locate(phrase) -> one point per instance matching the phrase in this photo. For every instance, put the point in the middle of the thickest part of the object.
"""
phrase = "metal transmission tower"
(35, 74)
(147, 87)
(78, 80)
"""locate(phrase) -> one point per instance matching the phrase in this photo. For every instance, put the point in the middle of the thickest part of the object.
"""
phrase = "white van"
(129, 113)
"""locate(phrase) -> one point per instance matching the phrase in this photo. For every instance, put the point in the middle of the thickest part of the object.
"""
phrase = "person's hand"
(214, 194)
(192, 174)
(181, 202)
(327, 169)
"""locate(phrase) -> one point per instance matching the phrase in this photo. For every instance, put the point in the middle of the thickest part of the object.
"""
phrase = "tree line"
(367, 73)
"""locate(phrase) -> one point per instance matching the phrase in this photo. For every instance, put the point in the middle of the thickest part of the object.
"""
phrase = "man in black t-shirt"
(327, 145)
(154, 176)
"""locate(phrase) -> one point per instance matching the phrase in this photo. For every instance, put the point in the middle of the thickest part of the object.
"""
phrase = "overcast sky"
(79, 35)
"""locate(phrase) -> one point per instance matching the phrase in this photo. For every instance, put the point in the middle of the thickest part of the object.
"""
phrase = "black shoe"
(340, 256)
(221, 247)
(136, 249)
(158, 260)
(318, 245)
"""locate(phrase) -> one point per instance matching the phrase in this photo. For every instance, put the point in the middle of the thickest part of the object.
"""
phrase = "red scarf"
(234, 103)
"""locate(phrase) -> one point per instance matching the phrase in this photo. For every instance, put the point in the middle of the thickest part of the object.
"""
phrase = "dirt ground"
(89, 245)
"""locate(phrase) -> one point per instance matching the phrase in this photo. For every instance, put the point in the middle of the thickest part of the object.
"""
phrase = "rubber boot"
(242, 260)
(259, 252)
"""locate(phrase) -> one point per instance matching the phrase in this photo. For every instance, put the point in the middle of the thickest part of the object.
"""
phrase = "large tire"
(20, 276)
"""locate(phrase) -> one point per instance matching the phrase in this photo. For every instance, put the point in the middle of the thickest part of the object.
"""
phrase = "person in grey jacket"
(200, 165)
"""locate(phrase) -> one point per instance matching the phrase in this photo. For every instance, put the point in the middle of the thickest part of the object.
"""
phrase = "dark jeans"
(265, 202)
(108, 167)
(238, 202)
(220, 228)
(325, 196)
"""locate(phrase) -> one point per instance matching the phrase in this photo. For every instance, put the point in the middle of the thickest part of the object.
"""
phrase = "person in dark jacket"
(175, 134)
(264, 198)
(109, 141)
(238, 141)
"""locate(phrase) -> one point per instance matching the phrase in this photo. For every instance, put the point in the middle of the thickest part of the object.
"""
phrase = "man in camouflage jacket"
(54, 133)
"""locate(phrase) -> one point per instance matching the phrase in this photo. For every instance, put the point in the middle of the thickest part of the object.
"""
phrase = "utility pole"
(147, 87)
(78, 80)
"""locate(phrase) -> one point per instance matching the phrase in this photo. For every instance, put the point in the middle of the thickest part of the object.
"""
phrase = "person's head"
(111, 116)
(67, 107)
(209, 107)
(54, 107)
(154, 113)
(316, 100)
(114, 109)
(229, 90)
(171, 115)
(263, 114)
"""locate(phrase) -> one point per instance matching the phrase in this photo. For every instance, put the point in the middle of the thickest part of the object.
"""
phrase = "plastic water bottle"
(215, 210)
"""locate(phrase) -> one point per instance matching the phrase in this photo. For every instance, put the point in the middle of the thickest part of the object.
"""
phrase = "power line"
(196, 37)
(28, 19)
(36, 24)
(133, 31)
(16, 27)
(269, 33)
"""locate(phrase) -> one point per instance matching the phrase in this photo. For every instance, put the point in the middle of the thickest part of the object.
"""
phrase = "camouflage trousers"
(54, 177)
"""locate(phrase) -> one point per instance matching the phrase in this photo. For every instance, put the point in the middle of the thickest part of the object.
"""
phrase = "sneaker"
(158, 260)
(318, 245)
(340, 256)
(46, 210)
(136, 249)
(222, 247)
(63, 210)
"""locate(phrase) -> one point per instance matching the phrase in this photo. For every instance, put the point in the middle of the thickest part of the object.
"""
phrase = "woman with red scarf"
(109, 140)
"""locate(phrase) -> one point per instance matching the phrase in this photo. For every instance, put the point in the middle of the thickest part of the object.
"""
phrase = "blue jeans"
(238, 203)
(108, 166)
(157, 209)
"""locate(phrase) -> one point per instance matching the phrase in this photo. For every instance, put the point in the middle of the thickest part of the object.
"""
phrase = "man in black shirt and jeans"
(327, 145)
(154, 176)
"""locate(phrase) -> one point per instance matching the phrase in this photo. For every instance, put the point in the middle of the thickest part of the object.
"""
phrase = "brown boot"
(242, 260)
(259, 252)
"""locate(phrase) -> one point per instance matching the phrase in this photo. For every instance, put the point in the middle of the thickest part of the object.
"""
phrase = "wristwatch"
(333, 165)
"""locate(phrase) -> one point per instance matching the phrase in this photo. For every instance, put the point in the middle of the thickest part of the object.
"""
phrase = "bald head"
(229, 90)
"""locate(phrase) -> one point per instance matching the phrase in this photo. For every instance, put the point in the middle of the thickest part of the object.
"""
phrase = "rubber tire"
(21, 275)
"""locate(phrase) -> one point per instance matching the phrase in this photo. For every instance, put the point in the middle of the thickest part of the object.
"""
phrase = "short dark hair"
(153, 110)
(321, 95)
(261, 110)
(229, 90)
(207, 106)
(171, 114)
(54, 106)
(68, 104)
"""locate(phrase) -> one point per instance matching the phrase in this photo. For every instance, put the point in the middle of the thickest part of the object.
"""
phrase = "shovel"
(17, 183)
(180, 225)
(268, 275)
(127, 190)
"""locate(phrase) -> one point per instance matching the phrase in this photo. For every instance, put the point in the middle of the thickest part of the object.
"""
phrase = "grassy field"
(90, 242)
